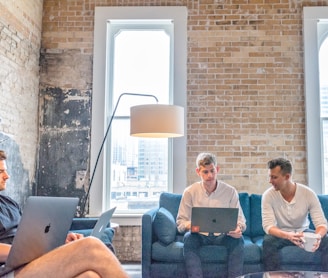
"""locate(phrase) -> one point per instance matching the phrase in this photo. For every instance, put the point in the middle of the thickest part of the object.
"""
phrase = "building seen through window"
(323, 77)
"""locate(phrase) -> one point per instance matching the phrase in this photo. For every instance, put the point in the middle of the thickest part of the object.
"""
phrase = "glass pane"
(323, 73)
(325, 152)
(141, 65)
(139, 167)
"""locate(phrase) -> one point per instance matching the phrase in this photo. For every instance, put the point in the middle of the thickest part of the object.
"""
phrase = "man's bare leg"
(89, 274)
(81, 258)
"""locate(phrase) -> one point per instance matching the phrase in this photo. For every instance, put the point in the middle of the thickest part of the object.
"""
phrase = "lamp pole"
(103, 143)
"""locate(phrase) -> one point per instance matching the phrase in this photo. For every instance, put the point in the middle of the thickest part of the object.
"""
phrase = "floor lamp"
(149, 120)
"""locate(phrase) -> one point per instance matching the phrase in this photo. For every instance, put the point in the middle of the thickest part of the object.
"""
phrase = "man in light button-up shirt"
(285, 209)
(210, 192)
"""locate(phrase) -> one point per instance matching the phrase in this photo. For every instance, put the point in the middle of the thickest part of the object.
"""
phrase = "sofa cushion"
(164, 226)
(256, 216)
(253, 251)
(324, 204)
(171, 202)
(167, 253)
(244, 203)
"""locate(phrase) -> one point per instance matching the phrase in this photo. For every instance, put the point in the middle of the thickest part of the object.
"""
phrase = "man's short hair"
(285, 165)
(205, 159)
(3, 155)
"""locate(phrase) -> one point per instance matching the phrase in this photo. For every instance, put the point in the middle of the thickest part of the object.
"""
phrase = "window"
(132, 169)
(323, 79)
(139, 61)
(315, 27)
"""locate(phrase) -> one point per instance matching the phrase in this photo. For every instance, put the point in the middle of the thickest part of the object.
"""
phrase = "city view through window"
(323, 74)
(142, 63)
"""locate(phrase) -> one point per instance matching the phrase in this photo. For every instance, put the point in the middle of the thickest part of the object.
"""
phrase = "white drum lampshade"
(157, 121)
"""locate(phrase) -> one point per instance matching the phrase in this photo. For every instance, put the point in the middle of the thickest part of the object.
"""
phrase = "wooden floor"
(134, 270)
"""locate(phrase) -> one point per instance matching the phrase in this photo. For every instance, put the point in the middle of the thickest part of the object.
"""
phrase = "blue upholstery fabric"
(244, 203)
(166, 260)
(164, 226)
(171, 202)
(256, 215)
(167, 253)
(324, 204)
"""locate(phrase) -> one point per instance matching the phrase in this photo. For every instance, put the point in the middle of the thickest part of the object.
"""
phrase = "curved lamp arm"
(103, 143)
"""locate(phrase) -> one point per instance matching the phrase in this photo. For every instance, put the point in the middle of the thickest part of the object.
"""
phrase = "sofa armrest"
(147, 241)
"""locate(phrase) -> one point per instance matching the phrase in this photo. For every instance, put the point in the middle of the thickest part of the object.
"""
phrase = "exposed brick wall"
(127, 243)
(20, 37)
(245, 83)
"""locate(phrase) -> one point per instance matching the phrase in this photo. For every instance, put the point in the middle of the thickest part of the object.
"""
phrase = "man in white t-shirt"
(285, 209)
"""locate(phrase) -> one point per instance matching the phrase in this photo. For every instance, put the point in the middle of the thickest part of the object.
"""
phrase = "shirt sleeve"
(184, 213)
(268, 217)
(316, 212)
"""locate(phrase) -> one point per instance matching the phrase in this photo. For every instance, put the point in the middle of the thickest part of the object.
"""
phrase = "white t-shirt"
(291, 216)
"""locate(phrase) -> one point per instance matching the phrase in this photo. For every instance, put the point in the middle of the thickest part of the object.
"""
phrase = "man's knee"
(270, 242)
(91, 243)
(191, 243)
(324, 244)
(89, 274)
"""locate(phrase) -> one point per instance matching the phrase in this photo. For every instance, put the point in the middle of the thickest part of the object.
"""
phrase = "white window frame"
(102, 14)
(311, 15)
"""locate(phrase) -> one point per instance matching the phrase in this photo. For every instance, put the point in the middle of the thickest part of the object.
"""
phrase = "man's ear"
(288, 176)
(197, 171)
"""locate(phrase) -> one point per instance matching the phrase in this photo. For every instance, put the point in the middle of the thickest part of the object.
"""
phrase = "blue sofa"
(162, 244)
(85, 225)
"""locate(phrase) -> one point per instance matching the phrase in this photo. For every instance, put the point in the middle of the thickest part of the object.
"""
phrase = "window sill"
(127, 219)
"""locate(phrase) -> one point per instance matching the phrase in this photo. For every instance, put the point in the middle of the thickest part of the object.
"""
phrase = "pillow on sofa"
(164, 226)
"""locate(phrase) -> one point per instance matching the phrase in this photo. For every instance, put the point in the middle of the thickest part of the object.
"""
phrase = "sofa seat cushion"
(172, 252)
(292, 255)
(258, 240)
(252, 251)
(252, 254)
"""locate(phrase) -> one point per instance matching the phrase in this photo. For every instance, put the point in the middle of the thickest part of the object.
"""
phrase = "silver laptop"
(44, 226)
(102, 223)
(213, 220)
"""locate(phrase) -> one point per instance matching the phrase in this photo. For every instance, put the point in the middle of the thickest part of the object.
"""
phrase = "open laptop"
(44, 226)
(102, 223)
(213, 220)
